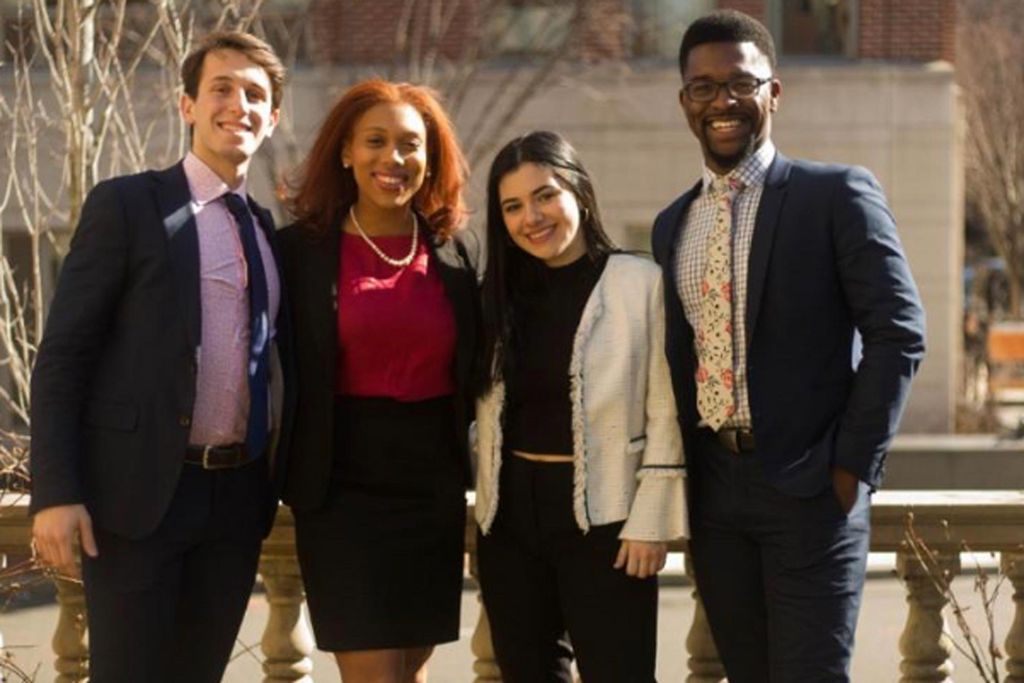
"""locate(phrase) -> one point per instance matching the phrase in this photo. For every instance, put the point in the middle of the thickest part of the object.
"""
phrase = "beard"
(730, 161)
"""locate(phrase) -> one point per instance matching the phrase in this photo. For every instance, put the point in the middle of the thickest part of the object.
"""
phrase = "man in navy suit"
(771, 265)
(158, 394)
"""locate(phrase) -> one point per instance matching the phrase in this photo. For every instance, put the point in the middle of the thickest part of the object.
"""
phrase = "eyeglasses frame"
(728, 87)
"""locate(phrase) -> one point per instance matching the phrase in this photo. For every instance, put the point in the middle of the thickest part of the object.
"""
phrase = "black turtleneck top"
(548, 304)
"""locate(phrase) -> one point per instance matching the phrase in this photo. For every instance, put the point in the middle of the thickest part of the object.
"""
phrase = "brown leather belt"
(738, 441)
(217, 457)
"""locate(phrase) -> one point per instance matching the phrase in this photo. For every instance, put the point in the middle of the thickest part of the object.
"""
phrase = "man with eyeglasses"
(771, 266)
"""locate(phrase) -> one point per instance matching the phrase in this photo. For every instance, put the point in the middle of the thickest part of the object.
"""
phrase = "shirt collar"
(205, 185)
(751, 171)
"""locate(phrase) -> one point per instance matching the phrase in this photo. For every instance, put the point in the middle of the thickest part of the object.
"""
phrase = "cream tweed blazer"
(626, 442)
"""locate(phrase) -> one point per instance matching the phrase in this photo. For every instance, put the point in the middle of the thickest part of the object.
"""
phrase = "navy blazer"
(115, 378)
(825, 261)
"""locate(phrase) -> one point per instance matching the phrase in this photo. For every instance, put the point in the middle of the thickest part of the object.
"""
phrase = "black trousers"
(781, 577)
(167, 608)
(546, 584)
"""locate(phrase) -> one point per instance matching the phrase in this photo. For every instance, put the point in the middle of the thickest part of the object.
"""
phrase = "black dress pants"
(167, 608)
(781, 577)
(546, 583)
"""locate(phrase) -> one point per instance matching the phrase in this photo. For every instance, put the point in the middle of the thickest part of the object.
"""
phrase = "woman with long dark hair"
(580, 478)
(385, 316)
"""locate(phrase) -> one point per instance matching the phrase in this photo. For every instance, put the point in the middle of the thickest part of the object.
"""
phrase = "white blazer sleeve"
(658, 512)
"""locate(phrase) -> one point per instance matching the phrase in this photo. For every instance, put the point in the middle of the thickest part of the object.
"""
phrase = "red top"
(396, 329)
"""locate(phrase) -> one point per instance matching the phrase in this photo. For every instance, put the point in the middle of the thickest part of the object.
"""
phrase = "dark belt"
(738, 441)
(217, 457)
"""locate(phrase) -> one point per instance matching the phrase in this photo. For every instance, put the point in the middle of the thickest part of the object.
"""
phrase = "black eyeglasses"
(740, 88)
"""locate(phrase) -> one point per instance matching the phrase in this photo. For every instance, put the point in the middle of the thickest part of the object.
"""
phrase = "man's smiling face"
(232, 113)
(727, 127)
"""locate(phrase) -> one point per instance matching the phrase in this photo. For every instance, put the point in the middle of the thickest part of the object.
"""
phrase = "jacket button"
(184, 420)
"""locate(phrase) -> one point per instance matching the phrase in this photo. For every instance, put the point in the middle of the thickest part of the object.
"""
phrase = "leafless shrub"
(981, 650)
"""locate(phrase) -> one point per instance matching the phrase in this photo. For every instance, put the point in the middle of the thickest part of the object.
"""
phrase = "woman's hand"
(641, 558)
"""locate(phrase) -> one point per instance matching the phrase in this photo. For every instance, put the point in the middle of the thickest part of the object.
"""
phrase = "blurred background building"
(869, 82)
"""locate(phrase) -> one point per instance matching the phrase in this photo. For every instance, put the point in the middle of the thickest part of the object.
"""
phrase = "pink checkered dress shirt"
(221, 409)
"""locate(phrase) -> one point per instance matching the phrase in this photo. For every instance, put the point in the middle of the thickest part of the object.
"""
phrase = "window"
(659, 24)
(815, 27)
(528, 26)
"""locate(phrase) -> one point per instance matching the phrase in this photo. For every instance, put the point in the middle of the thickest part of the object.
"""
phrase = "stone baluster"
(485, 666)
(925, 644)
(69, 643)
(703, 662)
(1012, 566)
(287, 640)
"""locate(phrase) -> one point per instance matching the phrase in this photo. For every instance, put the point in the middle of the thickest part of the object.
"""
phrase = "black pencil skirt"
(382, 560)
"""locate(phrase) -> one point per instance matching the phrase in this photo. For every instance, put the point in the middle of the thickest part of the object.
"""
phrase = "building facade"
(868, 82)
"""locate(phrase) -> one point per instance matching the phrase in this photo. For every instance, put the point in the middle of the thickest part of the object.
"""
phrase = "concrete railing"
(944, 520)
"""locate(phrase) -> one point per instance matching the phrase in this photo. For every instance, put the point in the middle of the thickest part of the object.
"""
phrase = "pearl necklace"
(395, 262)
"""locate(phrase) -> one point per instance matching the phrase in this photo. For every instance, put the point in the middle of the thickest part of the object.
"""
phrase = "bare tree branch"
(991, 74)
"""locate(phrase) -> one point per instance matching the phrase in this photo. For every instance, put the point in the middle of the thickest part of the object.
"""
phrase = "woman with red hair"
(383, 303)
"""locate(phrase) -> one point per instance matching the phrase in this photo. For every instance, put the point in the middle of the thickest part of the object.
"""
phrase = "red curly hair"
(323, 191)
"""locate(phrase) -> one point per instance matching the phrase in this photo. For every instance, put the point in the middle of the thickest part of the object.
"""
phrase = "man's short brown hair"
(256, 50)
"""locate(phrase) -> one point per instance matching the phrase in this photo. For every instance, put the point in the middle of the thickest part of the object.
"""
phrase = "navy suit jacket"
(825, 261)
(115, 378)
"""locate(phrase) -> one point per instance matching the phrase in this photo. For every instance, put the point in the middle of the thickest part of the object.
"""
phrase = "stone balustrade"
(944, 520)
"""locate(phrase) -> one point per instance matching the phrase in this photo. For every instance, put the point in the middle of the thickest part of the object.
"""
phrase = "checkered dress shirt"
(690, 256)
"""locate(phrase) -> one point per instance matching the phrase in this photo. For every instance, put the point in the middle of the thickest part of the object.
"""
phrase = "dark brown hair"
(506, 262)
(256, 50)
(323, 191)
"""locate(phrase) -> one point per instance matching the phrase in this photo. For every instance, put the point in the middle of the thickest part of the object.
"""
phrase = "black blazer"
(114, 382)
(310, 264)
(825, 260)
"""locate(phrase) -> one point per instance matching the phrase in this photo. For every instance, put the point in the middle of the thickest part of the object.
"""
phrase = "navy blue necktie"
(259, 328)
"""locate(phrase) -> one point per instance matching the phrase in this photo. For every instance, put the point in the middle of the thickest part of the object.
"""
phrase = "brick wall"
(907, 30)
(370, 31)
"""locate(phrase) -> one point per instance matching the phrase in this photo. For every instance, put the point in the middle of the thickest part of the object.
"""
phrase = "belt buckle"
(207, 465)
(731, 440)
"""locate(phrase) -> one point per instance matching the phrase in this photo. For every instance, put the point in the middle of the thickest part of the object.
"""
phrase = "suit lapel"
(452, 271)
(319, 296)
(772, 198)
(266, 223)
(668, 239)
(175, 202)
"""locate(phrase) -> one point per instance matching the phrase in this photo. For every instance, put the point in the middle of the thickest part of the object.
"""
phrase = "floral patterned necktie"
(716, 400)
